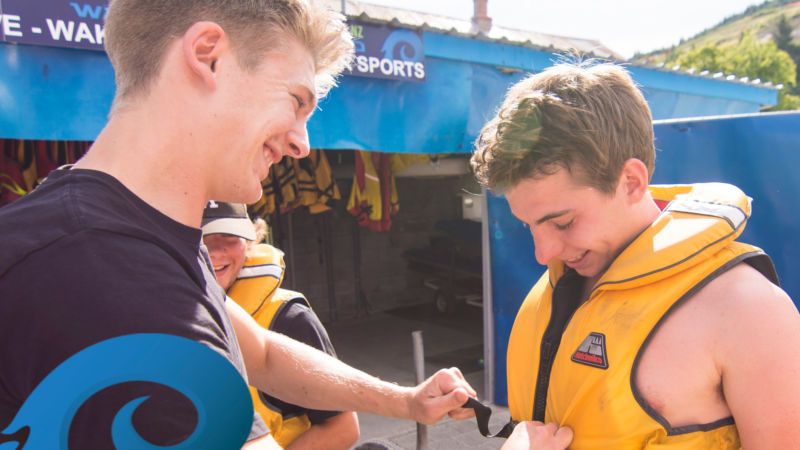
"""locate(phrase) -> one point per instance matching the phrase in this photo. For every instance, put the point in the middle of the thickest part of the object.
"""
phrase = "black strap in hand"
(482, 415)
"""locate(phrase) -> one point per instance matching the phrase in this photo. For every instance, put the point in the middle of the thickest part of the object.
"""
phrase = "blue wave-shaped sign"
(213, 385)
(403, 45)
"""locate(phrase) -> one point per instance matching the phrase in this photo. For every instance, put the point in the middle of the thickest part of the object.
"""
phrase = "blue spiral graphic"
(217, 390)
(403, 45)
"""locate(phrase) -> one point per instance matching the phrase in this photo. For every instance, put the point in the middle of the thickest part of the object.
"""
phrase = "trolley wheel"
(445, 304)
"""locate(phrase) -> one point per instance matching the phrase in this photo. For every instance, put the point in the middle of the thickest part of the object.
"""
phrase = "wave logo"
(208, 380)
(403, 45)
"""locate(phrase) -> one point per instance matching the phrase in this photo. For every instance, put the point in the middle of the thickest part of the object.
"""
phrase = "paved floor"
(381, 345)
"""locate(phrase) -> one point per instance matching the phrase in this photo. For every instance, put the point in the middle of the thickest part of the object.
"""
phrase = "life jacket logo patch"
(592, 351)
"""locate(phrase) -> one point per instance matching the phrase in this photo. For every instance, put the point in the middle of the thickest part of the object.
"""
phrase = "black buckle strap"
(482, 415)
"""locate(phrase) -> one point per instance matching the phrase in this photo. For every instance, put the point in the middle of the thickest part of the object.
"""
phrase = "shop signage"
(58, 23)
(385, 52)
(381, 51)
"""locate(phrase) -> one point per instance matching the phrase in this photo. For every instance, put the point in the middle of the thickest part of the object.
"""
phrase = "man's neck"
(647, 211)
(153, 162)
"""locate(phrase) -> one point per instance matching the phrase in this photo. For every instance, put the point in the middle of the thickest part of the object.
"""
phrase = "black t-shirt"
(82, 260)
(298, 321)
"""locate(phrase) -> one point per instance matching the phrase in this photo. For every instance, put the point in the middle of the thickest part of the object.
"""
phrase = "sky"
(624, 26)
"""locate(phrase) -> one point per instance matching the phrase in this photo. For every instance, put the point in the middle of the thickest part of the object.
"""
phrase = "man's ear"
(633, 179)
(203, 43)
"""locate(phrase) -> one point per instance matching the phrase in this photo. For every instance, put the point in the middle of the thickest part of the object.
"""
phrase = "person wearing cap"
(251, 274)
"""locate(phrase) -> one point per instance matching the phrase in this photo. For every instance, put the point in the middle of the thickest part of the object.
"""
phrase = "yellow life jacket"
(591, 385)
(12, 180)
(278, 190)
(373, 197)
(315, 184)
(257, 291)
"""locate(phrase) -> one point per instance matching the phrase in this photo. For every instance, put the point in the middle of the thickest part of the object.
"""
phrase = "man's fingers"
(442, 394)
(449, 404)
(461, 413)
(564, 435)
(452, 379)
(540, 436)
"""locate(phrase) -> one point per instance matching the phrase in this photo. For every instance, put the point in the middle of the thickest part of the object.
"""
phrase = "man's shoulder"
(741, 299)
(84, 207)
(294, 314)
(298, 321)
(33, 222)
(742, 283)
(754, 339)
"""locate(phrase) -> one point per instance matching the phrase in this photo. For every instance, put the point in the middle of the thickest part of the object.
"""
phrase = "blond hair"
(586, 118)
(137, 33)
(262, 231)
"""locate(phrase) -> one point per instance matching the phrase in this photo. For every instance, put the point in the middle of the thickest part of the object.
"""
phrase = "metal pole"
(419, 371)
(488, 301)
(361, 301)
(327, 246)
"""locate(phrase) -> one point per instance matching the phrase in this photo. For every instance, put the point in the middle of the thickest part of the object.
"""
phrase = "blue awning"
(65, 94)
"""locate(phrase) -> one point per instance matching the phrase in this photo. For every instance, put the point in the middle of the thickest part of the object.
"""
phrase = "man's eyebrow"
(552, 216)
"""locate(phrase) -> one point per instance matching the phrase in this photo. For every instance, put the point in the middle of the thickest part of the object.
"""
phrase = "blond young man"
(652, 327)
(210, 93)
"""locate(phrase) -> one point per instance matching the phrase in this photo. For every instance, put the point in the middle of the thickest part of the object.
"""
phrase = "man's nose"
(297, 141)
(215, 249)
(546, 247)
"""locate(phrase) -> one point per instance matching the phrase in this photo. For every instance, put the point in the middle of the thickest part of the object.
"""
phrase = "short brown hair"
(137, 33)
(586, 117)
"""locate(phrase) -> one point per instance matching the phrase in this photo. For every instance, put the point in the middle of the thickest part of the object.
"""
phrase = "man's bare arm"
(302, 375)
(759, 358)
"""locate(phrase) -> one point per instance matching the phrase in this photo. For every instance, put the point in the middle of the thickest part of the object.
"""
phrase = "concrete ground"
(381, 345)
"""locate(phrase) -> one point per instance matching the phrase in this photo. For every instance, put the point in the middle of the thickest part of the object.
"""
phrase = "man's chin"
(257, 196)
(254, 194)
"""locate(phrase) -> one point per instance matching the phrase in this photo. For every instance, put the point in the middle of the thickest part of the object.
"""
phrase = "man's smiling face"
(227, 254)
(577, 224)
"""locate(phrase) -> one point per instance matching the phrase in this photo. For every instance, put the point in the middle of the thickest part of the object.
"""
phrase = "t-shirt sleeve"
(300, 323)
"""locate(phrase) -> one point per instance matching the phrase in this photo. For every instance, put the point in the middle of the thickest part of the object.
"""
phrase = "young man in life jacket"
(251, 273)
(210, 93)
(652, 326)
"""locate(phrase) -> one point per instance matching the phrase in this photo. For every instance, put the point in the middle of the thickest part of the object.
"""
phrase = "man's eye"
(564, 226)
(300, 102)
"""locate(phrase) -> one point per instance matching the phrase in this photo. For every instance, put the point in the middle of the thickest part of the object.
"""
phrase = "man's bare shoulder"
(742, 309)
(755, 333)
(719, 344)
(738, 301)
(744, 294)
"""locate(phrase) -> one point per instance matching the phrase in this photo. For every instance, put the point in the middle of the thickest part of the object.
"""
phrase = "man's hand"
(443, 393)
(538, 436)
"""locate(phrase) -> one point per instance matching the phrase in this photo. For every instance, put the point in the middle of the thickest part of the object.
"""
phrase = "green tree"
(783, 33)
(783, 39)
(748, 58)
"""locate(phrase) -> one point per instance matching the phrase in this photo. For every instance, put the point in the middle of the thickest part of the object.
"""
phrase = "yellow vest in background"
(591, 387)
(256, 290)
